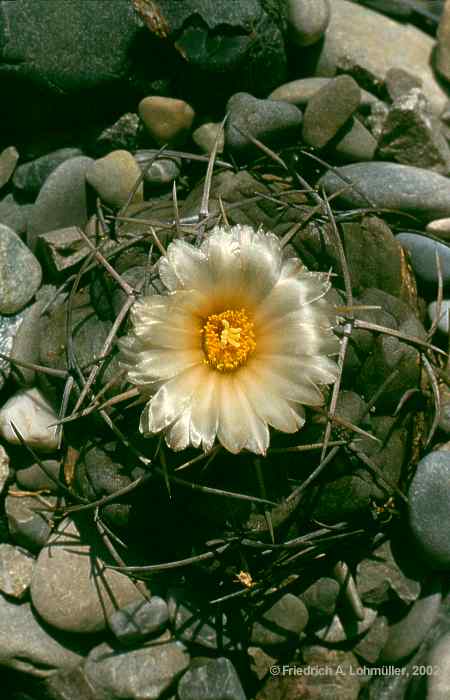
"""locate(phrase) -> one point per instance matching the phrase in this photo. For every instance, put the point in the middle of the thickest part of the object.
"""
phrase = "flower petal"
(286, 380)
(239, 426)
(270, 406)
(205, 412)
(291, 294)
(184, 267)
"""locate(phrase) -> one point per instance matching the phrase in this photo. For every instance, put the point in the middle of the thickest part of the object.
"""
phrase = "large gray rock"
(20, 272)
(393, 186)
(215, 680)
(25, 645)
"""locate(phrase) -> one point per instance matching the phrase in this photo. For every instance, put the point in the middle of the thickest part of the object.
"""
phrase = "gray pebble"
(205, 136)
(8, 161)
(214, 680)
(20, 272)
(27, 523)
(393, 186)
(444, 310)
(283, 622)
(33, 478)
(25, 346)
(379, 577)
(398, 82)
(409, 632)
(357, 143)
(429, 508)
(139, 619)
(299, 92)
(422, 251)
(329, 109)
(321, 597)
(114, 177)
(16, 569)
(123, 134)
(369, 647)
(439, 228)
(338, 631)
(62, 200)
(161, 172)
(307, 20)
(274, 123)
(15, 215)
(30, 177)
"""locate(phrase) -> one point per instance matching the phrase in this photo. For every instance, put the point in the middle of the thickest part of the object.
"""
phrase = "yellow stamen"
(228, 340)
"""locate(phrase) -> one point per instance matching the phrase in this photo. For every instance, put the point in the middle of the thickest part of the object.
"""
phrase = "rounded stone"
(422, 251)
(8, 161)
(439, 228)
(281, 623)
(16, 568)
(329, 109)
(114, 176)
(299, 92)
(335, 631)
(139, 619)
(168, 120)
(357, 143)
(30, 177)
(205, 137)
(33, 478)
(392, 186)
(429, 508)
(34, 419)
(71, 589)
(444, 311)
(162, 171)
(20, 272)
(307, 20)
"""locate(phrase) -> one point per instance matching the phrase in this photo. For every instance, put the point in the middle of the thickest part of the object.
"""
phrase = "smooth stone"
(273, 123)
(27, 647)
(444, 311)
(26, 522)
(321, 597)
(205, 137)
(4, 468)
(391, 186)
(439, 228)
(34, 478)
(20, 272)
(68, 591)
(442, 52)
(429, 508)
(147, 673)
(162, 171)
(307, 20)
(15, 215)
(62, 201)
(69, 684)
(409, 632)
(168, 120)
(139, 619)
(422, 251)
(25, 345)
(379, 576)
(8, 160)
(338, 631)
(214, 680)
(30, 177)
(61, 251)
(357, 143)
(399, 82)
(363, 51)
(299, 92)
(16, 569)
(329, 109)
(412, 135)
(114, 176)
(282, 622)
(33, 417)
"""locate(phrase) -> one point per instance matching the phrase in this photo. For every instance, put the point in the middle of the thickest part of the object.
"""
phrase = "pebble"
(16, 568)
(192, 623)
(409, 632)
(114, 176)
(33, 417)
(329, 109)
(20, 272)
(139, 619)
(321, 597)
(168, 120)
(337, 631)
(8, 161)
(281, 623)
(439, 228)
(214, 680)
(147, 673)
(412, 135)
(429, 508)
(274, 123)
(444, 310)
(393, 186)
(422, 251)
(307, 20)
(34, 478)
(161, 172)
(369, 647)
(205, 137)
(399, 82)
(14, 214)
(371, 53)
(71, 589)
(379, 578)
(299, 92)
(123, 134)
(27, 647)
(4, 468)
(356, 144)
(62, 201)
(25, 346)
(27, 524)
(61, 251)
(30, 177)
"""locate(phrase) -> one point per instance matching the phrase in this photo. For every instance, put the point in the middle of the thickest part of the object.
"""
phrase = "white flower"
(240, 342)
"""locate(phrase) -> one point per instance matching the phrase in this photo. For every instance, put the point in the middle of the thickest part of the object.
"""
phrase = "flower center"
(228, 340)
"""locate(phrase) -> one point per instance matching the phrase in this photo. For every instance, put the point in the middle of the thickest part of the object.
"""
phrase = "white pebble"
(32, 415)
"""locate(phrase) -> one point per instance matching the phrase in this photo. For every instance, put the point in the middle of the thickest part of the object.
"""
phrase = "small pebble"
(214, 680)
(14, 214)
(8, 161)
(20, 272)
(161, 172)
(307, 20)
(429, 508)
(281, 623)
(440, 228)
(16, 568)
(205, 136)
(329, 109)
(422, 251)
(357, 143)
(167, 119)
(27, 526)
(33, 417)
(139, 619)
(299, 92)
(444, 311)
(336, 631)
(30, 177)
(114, 177)
(34, 478)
